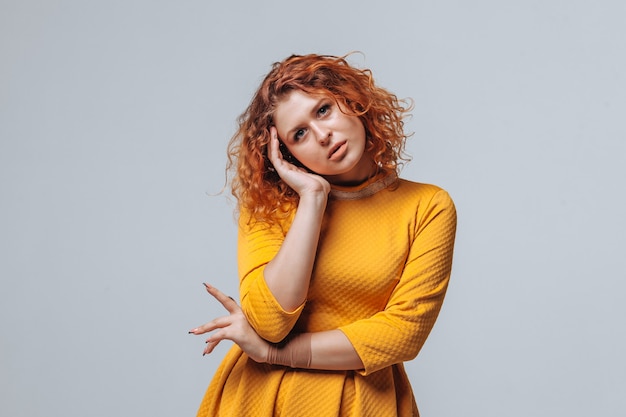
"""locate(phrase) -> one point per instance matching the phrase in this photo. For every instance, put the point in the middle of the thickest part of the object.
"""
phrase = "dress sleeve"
(258, 243)
(397, 333)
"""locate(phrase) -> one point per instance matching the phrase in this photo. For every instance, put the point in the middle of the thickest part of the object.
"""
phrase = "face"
(323, 138)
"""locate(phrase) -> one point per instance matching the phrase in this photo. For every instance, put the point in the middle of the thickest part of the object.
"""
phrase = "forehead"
(295, 105)
(298, 99)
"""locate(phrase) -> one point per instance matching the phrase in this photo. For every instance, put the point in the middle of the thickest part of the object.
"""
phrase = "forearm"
(329, 350)
(288, 274)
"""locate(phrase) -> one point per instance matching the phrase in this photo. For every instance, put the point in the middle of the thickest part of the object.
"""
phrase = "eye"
(324, 110)
(298, 135)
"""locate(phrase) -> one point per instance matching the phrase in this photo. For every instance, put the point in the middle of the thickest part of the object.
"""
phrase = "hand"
(234, 327)
(300, 180)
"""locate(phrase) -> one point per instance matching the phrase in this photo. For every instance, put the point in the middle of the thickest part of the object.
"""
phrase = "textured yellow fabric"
(380, 276)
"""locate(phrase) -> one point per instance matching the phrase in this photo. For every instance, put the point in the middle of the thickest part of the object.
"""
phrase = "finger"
(215, 339)
(210, 346)
(273, 150)
(229, 303)
(218, 336)
(217, 323)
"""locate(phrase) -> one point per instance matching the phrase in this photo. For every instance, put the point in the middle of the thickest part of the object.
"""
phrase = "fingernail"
(206, 285)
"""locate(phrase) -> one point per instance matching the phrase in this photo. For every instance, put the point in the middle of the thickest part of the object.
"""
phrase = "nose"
(322, 133)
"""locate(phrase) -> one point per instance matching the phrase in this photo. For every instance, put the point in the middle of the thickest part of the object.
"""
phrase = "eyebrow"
(314, 109)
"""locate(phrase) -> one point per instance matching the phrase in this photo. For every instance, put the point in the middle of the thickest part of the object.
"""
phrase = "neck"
(367, 170)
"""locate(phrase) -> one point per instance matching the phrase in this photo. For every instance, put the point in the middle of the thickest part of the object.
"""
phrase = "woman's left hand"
(234, 327)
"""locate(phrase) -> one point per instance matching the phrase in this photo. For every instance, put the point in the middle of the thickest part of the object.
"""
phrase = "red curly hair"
(257, 187)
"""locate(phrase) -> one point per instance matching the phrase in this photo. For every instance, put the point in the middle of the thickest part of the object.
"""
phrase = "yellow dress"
(380, 276)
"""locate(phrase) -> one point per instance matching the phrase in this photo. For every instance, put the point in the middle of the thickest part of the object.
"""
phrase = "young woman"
(343, 266)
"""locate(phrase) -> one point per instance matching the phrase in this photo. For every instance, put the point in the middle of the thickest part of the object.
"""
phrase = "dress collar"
(366, 189)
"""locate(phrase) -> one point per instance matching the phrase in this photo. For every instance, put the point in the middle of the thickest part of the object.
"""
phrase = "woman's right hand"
(302, 181)
(235, 327)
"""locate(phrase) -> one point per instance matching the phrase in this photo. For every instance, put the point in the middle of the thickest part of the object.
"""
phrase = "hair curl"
(254, 183)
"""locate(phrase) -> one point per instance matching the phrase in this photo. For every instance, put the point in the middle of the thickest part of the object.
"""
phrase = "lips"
(335, 148)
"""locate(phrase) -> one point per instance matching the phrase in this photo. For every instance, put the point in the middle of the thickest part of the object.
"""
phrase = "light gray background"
(114, 118)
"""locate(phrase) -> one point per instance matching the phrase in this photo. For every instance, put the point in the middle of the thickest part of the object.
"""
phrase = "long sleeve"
(380, 275)
(398, 332)
(258, 243)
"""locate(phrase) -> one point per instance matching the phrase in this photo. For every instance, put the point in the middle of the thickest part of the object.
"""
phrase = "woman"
(343, 266)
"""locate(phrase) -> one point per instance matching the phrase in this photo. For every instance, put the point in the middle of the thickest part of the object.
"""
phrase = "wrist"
(296, 353)
(315, 199)
(259, 355)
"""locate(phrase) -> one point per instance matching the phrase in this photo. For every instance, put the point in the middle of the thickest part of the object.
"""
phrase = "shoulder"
(431, 205)
(424, 201)
(421, 192)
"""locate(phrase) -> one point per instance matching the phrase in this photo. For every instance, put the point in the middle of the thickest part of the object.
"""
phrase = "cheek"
(354, 122)
(302, 157)
(357, 128)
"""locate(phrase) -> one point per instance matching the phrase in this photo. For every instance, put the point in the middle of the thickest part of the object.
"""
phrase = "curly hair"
(254, 183)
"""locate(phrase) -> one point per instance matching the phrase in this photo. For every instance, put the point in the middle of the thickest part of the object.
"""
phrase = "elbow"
(265, 314)
(271, 335)
(271, 324)
(412, 353)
